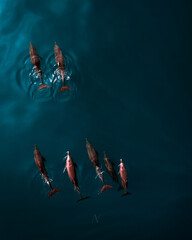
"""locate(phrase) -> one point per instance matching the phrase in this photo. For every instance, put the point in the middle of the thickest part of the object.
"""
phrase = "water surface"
(132, 98)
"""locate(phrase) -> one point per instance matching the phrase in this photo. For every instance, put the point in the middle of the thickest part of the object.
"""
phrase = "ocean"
(129, 69)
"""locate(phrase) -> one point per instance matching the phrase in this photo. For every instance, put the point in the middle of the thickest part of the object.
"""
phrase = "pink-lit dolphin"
(39, 160)
(36, 63)
(59, 59)
(94, 159)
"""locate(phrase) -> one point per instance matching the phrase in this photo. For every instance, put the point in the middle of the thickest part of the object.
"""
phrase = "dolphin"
(59, 59)
(123, 175)
(39, 160)
(35, 59)
(94, 159)
(70, 167)
(92, 154)
(110, 169)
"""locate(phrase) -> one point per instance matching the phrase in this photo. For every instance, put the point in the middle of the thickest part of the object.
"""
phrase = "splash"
(29, 80)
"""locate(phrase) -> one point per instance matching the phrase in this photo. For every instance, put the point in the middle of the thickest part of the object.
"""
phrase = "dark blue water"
(130, 66)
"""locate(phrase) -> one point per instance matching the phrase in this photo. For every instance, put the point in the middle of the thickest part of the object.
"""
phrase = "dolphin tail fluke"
(64, 88)
(53, 191)
(82, 198)
(105, 187)
(125, 194)
(42, 86)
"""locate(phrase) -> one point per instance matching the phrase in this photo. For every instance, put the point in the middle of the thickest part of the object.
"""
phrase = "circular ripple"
(29, 80)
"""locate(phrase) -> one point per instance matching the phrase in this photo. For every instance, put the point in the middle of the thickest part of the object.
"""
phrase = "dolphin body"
(123, 175)
(70, 167)
(59, 59)
(110, 169)
(39, 160)
(94, 159)
(36, 63)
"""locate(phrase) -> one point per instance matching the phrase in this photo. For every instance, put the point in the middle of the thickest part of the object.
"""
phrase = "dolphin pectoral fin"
(64, 169)
(82, 198)
(125, 194)
(53, 191)
(105, 187)
(97, 176)
(42, 86)
(64, 88)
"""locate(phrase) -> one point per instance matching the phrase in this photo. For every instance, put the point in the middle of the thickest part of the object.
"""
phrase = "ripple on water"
(29, 81)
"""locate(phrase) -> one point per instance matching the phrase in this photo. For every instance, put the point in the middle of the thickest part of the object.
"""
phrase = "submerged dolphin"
(36, 63)
(123, 175)
(39, 160)
(110, 169)
(70, 166)
(59, 59)
(94, 159)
